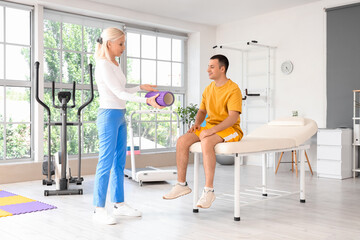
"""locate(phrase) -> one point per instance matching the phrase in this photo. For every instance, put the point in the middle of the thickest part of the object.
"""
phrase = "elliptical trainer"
(59, 167)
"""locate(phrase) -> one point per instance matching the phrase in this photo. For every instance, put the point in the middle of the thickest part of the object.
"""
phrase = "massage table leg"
(196, 182)
(237, 160)
(263, 163)
(302, 176)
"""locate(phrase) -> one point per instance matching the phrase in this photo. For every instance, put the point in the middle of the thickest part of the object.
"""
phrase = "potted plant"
(188, 114)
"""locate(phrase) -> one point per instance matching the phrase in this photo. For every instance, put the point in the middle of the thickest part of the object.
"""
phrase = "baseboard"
(31, 171)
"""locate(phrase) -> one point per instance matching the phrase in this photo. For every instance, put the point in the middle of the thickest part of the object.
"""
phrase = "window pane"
(1, 25)
(148, 46)
(89, 113)
(175, 134)
(133, 71)
(147, 132)
(89, 58)
(17, 104)
(55, 113)
(52, 34)
(72, 112)
(133, 45)
(148, 71)
(1, 105)
(71, 70)
(179, 100)
(177, 74)
(1, 61)
(17, 141)
(17, 63)
(55, 140)
(136, 126)
(17, 26)
(163, 135)
(164, 48)
(130, 108)
(52, 65)
(177, 50)
(71, 36)
(91, 140)
(72, 140)
(164, 73)
(90, 37)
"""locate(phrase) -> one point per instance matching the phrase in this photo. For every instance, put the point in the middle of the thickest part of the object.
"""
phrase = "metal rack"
(356, 131)
(257, 81)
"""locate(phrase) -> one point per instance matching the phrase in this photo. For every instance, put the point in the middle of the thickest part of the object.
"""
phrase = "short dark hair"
(223, 61)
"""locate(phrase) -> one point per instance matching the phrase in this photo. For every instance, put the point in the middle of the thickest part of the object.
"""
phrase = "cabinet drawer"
(329, 137)
(329, 152)
(328, 167)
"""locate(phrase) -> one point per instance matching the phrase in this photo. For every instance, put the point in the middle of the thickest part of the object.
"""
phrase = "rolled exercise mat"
(164, 99)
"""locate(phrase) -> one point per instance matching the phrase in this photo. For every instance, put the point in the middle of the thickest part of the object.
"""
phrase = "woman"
(111, 125)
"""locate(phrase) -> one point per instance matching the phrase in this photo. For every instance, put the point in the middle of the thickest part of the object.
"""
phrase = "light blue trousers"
(111, 126)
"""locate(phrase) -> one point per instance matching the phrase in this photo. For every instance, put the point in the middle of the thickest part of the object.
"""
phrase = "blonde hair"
(109, 34)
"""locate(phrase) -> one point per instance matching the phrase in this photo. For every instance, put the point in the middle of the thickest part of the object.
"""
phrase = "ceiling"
(210, 12)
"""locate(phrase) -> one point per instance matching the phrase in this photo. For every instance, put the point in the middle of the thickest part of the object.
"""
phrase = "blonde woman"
(111, 126)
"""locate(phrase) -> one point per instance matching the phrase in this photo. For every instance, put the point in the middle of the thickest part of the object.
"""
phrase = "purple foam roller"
(164, 99)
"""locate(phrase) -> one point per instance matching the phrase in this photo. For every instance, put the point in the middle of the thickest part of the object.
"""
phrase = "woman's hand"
(148, 87)
(194, 128)
(151, 101)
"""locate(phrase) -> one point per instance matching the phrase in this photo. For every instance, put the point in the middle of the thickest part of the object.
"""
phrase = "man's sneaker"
(177, 191)
(100, 216)
(207, 197)
(123, 209)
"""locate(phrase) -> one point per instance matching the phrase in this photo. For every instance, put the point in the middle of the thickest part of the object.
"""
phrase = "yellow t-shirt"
(218, 101)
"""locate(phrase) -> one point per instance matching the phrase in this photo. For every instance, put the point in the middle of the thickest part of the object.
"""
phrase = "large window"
(153, 58)
(15, 83)
(69, 46)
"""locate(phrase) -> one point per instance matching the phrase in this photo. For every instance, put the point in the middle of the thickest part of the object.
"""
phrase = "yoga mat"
(12, 204)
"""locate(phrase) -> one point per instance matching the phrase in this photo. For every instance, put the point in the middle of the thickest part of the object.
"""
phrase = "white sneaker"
(177, 191)
(123, 209)
(207, 198)
(101, 216)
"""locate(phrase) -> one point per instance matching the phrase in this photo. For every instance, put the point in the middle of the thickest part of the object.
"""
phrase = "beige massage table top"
(279, 134)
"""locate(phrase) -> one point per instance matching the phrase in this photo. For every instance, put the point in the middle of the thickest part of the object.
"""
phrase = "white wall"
(300, 36)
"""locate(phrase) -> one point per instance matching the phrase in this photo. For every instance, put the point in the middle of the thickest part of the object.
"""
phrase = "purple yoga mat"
(164, 99)
(21, 208)
(6, 194)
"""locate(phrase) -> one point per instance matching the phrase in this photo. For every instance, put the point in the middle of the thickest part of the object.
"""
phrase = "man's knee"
(184, 141)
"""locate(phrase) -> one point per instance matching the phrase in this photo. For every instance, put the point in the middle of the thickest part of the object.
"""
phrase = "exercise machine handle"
(73, 96)
(91, 92)
(37, 64)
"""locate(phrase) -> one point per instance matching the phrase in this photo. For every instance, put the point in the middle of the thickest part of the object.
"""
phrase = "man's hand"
(206, 133)
(194, 128)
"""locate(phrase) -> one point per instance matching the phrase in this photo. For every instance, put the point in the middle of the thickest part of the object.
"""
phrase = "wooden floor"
(331, 211)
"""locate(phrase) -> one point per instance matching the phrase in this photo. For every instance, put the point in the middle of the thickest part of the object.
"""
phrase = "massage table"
(281, 135)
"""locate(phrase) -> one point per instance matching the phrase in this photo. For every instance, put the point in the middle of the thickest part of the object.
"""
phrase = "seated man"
(222, 101)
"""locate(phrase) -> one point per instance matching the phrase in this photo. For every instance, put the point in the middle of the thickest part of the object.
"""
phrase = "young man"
(221, 101)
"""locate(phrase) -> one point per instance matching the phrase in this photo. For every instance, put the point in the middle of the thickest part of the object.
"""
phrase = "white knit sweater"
(111, 82)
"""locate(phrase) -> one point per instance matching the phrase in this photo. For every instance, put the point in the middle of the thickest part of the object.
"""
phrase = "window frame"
(5, 83)
(84, 21)
(182, 90)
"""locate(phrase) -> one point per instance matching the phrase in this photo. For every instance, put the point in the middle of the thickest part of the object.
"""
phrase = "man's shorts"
(229, 134)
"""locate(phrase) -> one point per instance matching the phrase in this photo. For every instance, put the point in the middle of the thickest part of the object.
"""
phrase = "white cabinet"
(334, 155)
